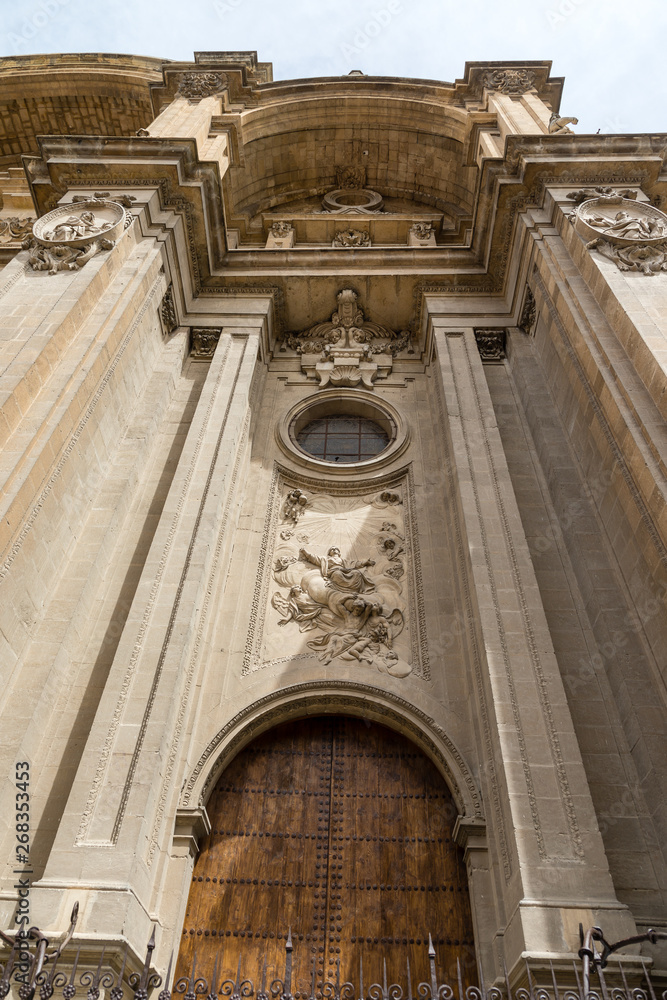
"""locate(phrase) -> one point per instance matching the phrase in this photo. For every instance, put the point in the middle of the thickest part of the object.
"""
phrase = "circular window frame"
(341, 402)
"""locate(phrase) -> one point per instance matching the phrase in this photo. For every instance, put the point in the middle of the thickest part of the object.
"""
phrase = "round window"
(344, 429)
(342, 439)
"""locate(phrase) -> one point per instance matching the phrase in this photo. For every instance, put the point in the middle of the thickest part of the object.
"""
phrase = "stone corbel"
(491, 345)
(281, 236)
(192, 825)
(349, 367)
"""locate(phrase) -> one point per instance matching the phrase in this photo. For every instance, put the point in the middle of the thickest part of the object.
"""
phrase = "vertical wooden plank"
(342, 830)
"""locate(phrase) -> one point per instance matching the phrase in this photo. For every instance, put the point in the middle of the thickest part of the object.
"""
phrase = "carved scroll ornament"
(352, 350)
(14, 230)
(513, 82)
(197, 86)
(350, 239)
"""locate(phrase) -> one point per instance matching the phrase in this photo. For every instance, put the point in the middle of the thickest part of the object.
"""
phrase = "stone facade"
(189, 298)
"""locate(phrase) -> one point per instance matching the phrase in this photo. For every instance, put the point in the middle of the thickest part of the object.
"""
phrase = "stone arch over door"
(343, 830)
(332, 698)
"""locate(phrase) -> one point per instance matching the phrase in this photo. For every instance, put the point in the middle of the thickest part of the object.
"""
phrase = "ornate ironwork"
(590, 978)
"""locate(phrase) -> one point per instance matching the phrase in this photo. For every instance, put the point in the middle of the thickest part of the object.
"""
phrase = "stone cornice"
(192, 189)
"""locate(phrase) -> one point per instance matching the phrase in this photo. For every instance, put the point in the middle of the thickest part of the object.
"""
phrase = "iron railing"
(31, 968)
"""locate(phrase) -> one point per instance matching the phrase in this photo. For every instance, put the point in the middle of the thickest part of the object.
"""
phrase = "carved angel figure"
(627, 226)
(340, 599)
(344, 576)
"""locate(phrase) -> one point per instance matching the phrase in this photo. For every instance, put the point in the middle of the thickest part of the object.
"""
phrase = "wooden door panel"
(341, 830)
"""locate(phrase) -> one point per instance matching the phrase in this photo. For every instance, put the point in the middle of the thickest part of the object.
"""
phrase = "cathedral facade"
(334, 535)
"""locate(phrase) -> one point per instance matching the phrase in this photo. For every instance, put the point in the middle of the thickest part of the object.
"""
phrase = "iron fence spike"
(74, 967)
(458, 978)
(507, 980)
(648, 980)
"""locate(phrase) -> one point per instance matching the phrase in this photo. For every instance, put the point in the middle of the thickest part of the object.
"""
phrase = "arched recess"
(291, 794)
(336, 698)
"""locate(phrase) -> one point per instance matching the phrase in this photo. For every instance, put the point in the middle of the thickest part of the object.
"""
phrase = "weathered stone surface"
(180, 571)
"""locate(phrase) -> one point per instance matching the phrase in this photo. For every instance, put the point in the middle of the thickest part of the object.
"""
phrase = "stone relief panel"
(513, 82)
(632, 234)
(351, 239)
(336, 583)
(69, 236)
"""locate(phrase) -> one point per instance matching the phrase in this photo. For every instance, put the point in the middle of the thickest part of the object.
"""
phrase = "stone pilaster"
(118, 824)
(555, 872)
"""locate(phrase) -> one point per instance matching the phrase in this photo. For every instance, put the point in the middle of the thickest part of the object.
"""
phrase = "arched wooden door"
(342, 830)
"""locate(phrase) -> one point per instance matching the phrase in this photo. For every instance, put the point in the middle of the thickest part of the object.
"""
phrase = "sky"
(611, 52)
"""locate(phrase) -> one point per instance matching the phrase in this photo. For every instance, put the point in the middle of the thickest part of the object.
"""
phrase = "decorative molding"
(67, 238)
(420, 646)
(350, 177)
(528, 317)
(281, 235)
(196, 86)
(203, 342)
(421, 234)
(584, 194)
(196, 647)
(126, 200)
(491, 345)
(14, 231)
(463, 577)
(142, 630)
(631, 234)
(648, 260)
(294, 505)
(620, 221)
(351, 239)
(353, 201)
(282, 560)
(347, 349)
(513, 82)
(330, 697)
(168, 317)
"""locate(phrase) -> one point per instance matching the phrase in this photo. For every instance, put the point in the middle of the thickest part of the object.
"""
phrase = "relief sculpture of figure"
(627, 226)
(339, 598)
(346, 576)
(77, 227)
